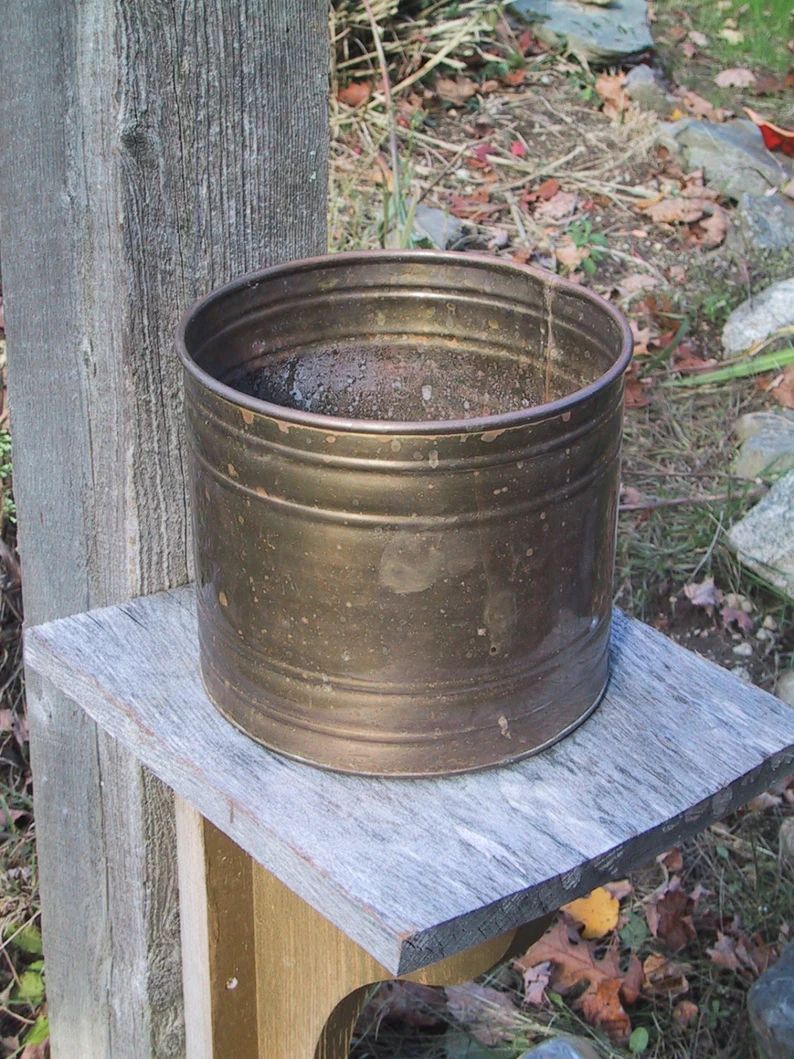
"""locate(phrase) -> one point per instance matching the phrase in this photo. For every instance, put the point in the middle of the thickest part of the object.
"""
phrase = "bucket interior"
(407, 339)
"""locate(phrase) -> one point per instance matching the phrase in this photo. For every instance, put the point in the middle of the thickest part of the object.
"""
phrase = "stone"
(600, 35)
(562, 1048)
(759, 317)
(732, 155)
(441, 229)
(763, 540)
(752, 423)
(767, 444)
(763, 222)
(784, 689)
(643, 87)
(770, 1004)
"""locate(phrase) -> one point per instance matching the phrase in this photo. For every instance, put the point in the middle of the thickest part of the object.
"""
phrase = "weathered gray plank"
(153, 150)
(415, 870)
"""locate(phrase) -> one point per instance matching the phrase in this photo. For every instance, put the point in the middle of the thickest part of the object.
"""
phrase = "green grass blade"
(767, 362)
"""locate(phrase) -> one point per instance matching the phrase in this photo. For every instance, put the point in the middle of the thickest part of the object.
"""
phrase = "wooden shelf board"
(417, 870)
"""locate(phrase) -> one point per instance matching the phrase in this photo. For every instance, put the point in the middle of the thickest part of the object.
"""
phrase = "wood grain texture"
(159, 148)
(416, 870)
(312, 979)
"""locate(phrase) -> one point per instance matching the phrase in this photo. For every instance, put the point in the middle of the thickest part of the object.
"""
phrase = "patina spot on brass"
(405, 480)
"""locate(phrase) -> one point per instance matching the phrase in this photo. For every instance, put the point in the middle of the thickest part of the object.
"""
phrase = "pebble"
(744, 650)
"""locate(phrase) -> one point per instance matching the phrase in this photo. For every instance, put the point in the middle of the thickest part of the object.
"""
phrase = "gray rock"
(770, 1004)
(763, 222)
(598, 34)
(763, 539)
(767, 444)
(562, 1048)
(759, 316)
(439, 227)
(643, 87)
(732, 155)
(784, 689)
(752, 423)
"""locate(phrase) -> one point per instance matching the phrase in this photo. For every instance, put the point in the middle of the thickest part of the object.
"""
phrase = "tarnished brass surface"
(405, 483)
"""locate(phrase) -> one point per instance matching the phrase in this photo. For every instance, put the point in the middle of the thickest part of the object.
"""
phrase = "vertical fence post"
(152, 150)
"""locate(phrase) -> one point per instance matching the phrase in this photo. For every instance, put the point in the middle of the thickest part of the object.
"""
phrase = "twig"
(384, 69)
(680, 501)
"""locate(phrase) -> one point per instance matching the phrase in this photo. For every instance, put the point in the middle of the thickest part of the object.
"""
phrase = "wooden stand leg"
(312, 981)
(267, 977)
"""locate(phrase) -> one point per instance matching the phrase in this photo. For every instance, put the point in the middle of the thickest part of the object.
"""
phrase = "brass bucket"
(405, 485)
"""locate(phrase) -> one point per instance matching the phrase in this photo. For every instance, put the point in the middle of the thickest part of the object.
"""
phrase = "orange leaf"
(355, 94)
(602, 1008)
(574, 961)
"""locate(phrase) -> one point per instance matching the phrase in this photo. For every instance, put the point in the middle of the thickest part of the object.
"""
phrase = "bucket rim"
(346, 425)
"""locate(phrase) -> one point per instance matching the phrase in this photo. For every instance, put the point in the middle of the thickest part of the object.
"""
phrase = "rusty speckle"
(223, 599)
(248, 415)
(492, 435)
(330, 439)
(283, 427)
(565, 416)
(260, 491)
(232, 470)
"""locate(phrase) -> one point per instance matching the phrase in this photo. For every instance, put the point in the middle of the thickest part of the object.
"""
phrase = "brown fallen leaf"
(514, 78)
(736, 77)
(569, 255)
(668, 912)
(671, 860)
(641, 336)
(597, 913)
(603, 1009)
(783, 388)
(735, 951)
(622, 888)
(488, 1014)
(714, 227)
(684, 1012)
(700, 107)
(664, 977)
(687, 361)
(676, 210)
(536, 982)
(355, 94)
(574, 961)
(609, 87)
(455, 90)
(636, 283)
(560, 205)
(636, 393)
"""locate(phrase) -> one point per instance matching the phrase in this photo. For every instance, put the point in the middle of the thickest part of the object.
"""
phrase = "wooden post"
(159, 148)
